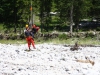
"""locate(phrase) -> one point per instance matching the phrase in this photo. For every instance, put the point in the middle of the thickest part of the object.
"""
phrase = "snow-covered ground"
(48, 59)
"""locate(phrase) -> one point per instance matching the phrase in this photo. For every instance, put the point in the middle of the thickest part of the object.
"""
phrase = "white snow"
(48, 59)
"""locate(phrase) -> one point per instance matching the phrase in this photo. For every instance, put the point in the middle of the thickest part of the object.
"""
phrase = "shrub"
(98, 29)
(63, 36)
(1, 36)
(22, 36)
(13, 36)
(90, 34)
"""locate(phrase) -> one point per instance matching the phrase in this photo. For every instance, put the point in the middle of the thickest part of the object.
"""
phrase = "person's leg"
(32, 41)
(28, 42)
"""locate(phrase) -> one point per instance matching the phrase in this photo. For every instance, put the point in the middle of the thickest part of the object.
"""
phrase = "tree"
(71, 18)
(81, 9)
(1, 11)
(62, 7)
(95, 9)
(45, 8)
(14, 12)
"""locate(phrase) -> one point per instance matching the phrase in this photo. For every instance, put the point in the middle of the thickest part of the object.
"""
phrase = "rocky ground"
(49, 59)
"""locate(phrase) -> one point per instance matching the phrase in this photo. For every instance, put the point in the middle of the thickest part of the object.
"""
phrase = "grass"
(90, 41)
(12, 41)
(71, 41)
(1, 28)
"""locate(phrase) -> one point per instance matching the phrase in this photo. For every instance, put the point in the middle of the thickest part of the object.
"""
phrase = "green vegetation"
(70, 41)
(12, 41)
(89, 37)
(16, 13)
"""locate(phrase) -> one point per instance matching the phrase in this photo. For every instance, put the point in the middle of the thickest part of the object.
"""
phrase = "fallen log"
(86, 61)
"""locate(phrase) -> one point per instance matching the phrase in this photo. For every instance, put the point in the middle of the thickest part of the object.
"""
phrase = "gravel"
(48, 59)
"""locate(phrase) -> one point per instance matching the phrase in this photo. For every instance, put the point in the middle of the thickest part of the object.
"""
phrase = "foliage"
(90, 34)
(16, 13)
(63, 36)
(1, 36)
(95, 9)
(13, 42)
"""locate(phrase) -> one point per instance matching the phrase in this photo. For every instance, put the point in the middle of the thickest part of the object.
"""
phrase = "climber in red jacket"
(29, 37)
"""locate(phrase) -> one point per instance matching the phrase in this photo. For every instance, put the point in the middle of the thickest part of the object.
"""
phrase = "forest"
(63, 15)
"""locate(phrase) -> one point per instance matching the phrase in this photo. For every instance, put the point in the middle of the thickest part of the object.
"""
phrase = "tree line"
(17, 13)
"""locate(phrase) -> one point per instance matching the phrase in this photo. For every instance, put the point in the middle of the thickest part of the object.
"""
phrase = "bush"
(1, 36)
(22, 36)
(90, 34)
(98, 29)
(13, 36)
(63, 36)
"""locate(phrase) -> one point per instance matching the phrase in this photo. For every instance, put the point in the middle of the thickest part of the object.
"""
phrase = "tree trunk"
(71, 20)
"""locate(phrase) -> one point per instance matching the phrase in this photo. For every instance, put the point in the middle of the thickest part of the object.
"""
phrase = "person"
(29, 37)
(35, 29)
